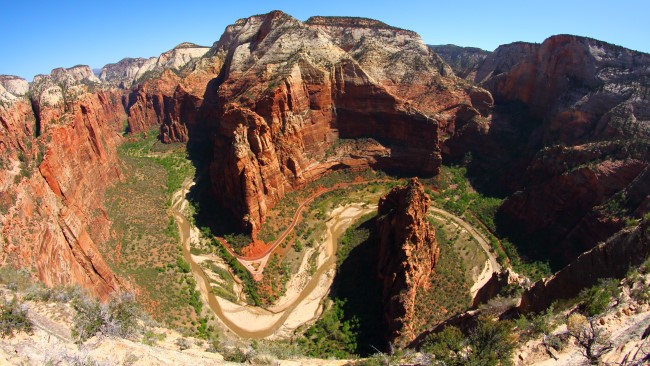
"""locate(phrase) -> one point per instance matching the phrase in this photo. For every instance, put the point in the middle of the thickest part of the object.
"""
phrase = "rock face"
(611, 259)
(580, 138)
(408, 253)
(128, 71)
(463, 60)
(12, 87)
(288, 90)
(58, 156)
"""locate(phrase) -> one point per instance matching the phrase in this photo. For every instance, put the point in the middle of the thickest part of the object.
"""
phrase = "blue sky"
(38, 36)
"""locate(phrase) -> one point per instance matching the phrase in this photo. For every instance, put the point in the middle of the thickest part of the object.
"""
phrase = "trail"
(300, 306)
(256, 322)
(256, 264)
(491, 264)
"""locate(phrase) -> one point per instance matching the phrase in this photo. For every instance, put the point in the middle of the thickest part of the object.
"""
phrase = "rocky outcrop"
(12, 87)
(493, 287)
(58, 156)
(288, 90)
(582, 138)
(611, 259)
(130, 71)
(503, 59)
(408, 253)
(463, 60)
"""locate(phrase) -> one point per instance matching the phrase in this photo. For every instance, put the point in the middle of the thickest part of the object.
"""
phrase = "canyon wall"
(612, 259)
(571, 131)
(408, 253)
(271, 99)
(288, 90)
(58, 156)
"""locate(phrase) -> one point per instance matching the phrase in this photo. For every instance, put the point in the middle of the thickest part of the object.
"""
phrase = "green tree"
(490, 343)
(331, 335)
(447, 346)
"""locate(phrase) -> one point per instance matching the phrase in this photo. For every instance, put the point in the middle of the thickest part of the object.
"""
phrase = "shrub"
(491, 343)
(446, 346)
(89, 318)
(13, 318)
(123, 313)
(236, 354)
(183, 344)
(596, 299)
(118, 318)
(593, 342)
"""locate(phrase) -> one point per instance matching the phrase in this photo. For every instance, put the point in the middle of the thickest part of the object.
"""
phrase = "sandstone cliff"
(288, 90)
(129, 71)
(273, 94)
(408, 253)
(463, 60)
(58, 156)
(573, 115)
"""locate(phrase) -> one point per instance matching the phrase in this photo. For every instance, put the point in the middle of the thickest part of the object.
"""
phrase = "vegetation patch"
(144, 246)
(448, 293)
(452, 191)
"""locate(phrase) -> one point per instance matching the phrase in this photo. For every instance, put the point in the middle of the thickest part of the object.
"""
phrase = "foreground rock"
(408, 253)
(612, 259)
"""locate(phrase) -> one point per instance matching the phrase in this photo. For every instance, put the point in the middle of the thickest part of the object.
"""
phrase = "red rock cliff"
(408, 253)
(58, 163)
(580, 138)
(288, 90)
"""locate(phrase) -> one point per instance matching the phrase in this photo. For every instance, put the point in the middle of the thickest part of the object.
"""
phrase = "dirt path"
(256, 322)
(256, 264)
(491, 265)
(302, 302)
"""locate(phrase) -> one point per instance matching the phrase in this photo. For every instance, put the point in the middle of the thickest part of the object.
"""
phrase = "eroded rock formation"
(571, 133)
(463, 60)
(289, 89)
(58, 156)
(408, 253)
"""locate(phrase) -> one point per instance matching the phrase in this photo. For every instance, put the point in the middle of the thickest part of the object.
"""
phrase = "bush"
(89, 318)
(38, 292)
(491, 343)
(446, 346)
(183, 344)
(595, 300)
(123, 313)
(118, 318)
(13, 318)
(593, 342)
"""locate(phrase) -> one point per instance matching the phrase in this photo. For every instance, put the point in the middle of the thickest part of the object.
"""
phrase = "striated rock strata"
(58, 153)
(408, 253)
(570, 133)
(288, 90)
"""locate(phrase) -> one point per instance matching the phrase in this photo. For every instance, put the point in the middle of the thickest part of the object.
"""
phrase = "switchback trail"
(248, 321)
